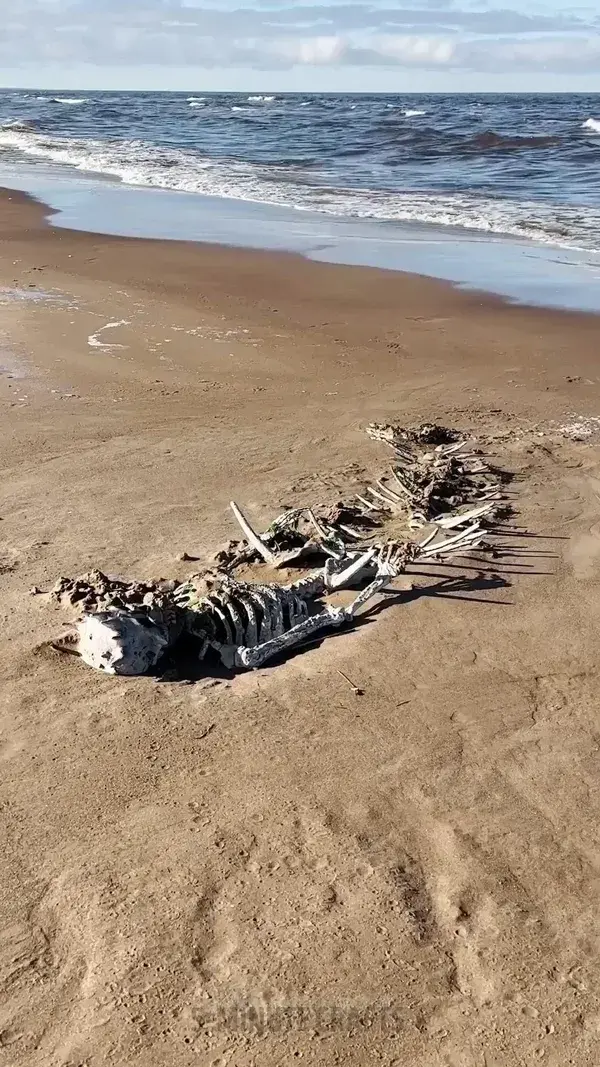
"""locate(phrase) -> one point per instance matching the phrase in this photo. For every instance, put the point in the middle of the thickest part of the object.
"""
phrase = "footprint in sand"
(212, 938)
(583, 553)
(464, 913)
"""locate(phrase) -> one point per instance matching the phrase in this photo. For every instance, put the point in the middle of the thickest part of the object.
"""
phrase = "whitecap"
(68, 100)
(413, 111)
(592, 124)
(20, 125)
(260, 99)
(136, 162)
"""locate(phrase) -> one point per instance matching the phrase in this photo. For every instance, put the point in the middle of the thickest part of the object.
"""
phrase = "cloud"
(450, 53)
(473, 35)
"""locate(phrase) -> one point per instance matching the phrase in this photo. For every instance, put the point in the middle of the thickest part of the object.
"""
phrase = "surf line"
(94, 341)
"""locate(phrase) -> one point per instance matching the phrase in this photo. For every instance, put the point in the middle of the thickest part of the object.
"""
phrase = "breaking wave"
(305, 187)
(592, 124)
(68, 100)
(20, 125)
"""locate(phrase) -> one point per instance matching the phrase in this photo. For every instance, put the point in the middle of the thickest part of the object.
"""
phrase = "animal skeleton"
(433, 479)
(430, 485)
(127, 627)
(246, 624)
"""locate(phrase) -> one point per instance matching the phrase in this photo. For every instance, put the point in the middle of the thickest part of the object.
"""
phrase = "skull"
(121, 642)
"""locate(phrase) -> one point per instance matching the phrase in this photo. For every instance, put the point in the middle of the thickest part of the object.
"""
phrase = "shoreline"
(537, 275)
(42, 216)
(179, 857)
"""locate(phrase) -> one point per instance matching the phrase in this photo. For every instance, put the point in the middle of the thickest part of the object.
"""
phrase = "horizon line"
(308, 92)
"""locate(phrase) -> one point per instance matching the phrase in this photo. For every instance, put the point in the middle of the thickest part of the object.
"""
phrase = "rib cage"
(241, 615)
(433, 476)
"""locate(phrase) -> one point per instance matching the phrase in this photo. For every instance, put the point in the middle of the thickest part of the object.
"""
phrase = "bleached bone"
(121, 642)
(389, 492)
(400, 484)
(252, 537)
(252, 658)
(457, 539)
(328, 544)
(351, 533)
(390, 504)
(433, 480)
(247, 624)
(368, 504)
(449, 450)
(452, 521)
(337, 579)
(428, 539)
(322, 532)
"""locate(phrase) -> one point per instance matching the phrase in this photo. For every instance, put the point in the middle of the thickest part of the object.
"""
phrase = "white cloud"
(274, 35)
(549, 53)
(421, 51)
(309, 50)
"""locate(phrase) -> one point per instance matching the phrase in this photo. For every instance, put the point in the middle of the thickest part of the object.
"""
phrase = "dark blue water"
(520, 165)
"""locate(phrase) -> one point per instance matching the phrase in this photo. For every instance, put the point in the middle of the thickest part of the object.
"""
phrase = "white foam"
(143, 164)
(413, 111)
(260, 99)
(196, 104)
(17, 124)
(68, 100)
(94, 341)
(592, 124)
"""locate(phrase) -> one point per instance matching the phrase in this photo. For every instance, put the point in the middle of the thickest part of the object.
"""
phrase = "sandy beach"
(276, 869)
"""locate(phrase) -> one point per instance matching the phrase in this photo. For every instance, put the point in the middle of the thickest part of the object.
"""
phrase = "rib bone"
(251, 536)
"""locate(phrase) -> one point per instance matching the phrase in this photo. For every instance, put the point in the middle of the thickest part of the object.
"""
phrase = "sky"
(281, 45)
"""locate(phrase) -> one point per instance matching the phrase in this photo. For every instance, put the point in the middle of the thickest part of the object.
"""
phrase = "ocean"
(521, 166)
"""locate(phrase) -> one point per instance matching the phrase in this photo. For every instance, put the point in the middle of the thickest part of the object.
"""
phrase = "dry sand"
(279, 870)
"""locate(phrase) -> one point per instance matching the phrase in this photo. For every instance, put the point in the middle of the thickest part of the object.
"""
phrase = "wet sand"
(277, 869)
(519, 270)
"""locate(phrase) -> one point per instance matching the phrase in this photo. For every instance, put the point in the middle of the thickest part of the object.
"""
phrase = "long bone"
(252, 537)
(328, 542)
(390, 562)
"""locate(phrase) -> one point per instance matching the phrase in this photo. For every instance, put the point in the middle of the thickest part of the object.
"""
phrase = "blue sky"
(279, 45)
